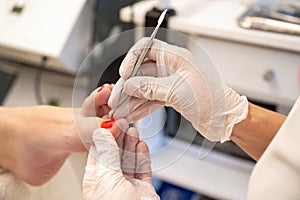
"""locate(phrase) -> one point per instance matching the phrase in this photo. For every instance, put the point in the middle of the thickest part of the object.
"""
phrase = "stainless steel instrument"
(276, 18)
(148, 44)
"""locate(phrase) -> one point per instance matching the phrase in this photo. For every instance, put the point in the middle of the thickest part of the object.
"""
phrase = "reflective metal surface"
(282, 18)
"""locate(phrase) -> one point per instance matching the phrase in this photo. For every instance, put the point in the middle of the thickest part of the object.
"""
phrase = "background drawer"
(265, 74)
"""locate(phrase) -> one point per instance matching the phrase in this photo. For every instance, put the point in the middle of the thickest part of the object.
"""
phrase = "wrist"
(255, 133)
(236, 111)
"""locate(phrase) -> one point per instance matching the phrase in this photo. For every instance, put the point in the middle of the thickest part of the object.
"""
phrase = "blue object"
(172, 192)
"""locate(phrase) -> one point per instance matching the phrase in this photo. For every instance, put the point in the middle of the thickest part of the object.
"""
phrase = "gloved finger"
(148, 69)
(144, 110)
(151, 88)
(131, 57)
(120, 142)
(107, 152)
(91, 160)
(121, 125)
(122, 107)
(127, 103)
(135, 109)
(90, 168)
(127, 107)
(89, 178)
(140, 112)
(153, 69)
(143, 162)
(128, 158)
(114, 98)
(109, 175)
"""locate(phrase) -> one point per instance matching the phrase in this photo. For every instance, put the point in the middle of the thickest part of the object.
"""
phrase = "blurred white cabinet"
(60, 30)
(266, 74)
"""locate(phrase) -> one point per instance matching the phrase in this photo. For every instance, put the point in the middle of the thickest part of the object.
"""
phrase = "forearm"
(254, 134)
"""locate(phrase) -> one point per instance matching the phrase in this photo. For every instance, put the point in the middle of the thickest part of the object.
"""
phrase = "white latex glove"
(172, 76)
(108, 176)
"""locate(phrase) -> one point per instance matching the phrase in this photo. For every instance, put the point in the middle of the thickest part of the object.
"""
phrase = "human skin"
(255, 133)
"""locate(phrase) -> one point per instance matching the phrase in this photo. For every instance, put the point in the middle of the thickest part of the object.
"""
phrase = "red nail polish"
(107, 124)
(100, 88)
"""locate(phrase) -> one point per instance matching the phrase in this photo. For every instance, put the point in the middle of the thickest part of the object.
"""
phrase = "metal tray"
(271, 19)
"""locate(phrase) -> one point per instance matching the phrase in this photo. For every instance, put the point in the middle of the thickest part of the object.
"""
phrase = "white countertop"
(213, 18)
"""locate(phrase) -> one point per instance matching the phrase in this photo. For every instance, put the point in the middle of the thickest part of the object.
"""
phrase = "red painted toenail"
(107, 124)
(100, 88)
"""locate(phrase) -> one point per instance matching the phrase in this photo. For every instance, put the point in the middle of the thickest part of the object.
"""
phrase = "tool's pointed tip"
(162, 16)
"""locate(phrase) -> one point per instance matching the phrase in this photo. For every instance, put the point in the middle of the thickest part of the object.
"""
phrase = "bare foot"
(42, 137)
(39, 150)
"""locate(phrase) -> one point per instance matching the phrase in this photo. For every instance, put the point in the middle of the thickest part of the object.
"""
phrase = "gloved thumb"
(107, 151)
(103, 172)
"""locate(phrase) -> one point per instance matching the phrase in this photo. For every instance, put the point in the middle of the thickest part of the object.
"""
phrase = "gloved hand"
(118, 169)
(172, 76)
